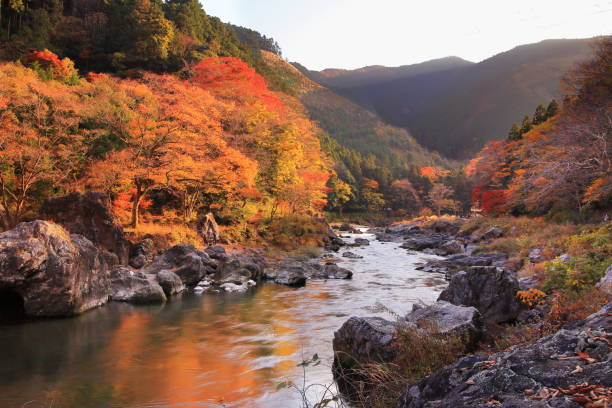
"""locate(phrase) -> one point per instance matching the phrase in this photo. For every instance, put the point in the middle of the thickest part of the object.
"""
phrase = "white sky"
(355, 33)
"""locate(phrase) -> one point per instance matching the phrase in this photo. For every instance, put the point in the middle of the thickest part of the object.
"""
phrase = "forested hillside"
(456, 110)
(368, 152)
(558, 162)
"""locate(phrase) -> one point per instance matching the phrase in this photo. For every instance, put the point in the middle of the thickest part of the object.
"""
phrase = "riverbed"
(212, 350)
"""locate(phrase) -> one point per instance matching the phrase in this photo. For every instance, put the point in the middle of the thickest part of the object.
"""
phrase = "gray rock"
(536, 255)
(289, 275)
(489, 289)
(446, 227)
(51, 272)
(217, 252)
(349, 228)
(423, 241)
(450, 248)
(361, 341)
(138, 261)
(241, 268)
(473, 380)
(455, 263)
(89, 215)
(351, 255)
(134, 287)
(170, 282)
(188, 263)
(362, 241)
(448, 319)
(327, 271)
(493, 233)
(605, 284)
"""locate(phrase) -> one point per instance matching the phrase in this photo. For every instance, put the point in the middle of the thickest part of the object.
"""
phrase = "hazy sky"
(355, 33)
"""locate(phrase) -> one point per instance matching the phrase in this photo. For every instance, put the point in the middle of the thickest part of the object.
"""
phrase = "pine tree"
(540, 115)
(515, 132)
(553, 109)
(526, 125)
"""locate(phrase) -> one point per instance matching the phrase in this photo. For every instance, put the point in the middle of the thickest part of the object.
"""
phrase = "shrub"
(590, 256)
(49, 66)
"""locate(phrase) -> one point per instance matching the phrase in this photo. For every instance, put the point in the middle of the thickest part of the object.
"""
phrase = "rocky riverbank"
(82, 259)
(482, 294)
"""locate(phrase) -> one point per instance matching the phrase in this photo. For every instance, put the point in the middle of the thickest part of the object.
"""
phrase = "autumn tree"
(42, 145)
(339, 194)
(440, 198)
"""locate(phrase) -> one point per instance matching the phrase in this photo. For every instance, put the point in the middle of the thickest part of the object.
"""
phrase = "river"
(226, 350)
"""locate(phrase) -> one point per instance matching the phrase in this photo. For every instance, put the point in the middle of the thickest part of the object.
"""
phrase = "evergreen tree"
(526, 125)
(553, 109)
(515, 132)
(540, 115)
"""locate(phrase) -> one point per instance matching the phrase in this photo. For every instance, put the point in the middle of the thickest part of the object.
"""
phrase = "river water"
(224, 350)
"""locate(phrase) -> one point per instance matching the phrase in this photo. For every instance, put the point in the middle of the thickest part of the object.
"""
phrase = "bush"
(590, 256)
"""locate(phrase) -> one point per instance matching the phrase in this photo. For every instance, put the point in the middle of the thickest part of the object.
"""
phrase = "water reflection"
(203, 351)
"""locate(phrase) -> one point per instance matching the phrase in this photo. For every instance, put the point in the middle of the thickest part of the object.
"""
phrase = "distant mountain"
(350, 124)
(454, 106)
(340, 78)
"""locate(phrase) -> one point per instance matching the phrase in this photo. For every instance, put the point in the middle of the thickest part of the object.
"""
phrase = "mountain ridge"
(455, 111)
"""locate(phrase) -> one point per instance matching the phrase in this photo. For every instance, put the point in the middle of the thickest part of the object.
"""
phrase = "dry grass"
(521, 234)
(165, 235)
(427, 219)
(419, 353)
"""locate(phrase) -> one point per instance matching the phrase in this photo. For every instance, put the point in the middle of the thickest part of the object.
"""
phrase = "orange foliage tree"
(41, 143)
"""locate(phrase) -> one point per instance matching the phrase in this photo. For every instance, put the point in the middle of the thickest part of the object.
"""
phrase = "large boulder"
(359, 342)
(52, 272)
(329, 270)
(170, 282)
(491, 290)
(135, 287)
(89, 215)
(419, 242)
(142, 253)
(447, 319)
(456, 263)
(490, 234)
(362, 341)
(362, 241)
(241, 268)
(288, 274)
(184, 260)
(451, 247)
(552, 372)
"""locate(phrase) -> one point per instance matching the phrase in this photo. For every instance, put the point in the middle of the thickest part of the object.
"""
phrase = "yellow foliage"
(531, 297)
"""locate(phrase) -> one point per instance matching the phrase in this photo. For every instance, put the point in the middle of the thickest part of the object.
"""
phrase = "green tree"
(515, 132)
(153, 33)
(553, 109)
(526, 125)
(539, 115)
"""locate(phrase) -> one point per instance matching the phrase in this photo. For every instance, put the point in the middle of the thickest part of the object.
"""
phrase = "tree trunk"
(136, 207)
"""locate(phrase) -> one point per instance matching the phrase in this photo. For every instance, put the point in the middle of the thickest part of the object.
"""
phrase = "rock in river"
(52, 272)
(170, 282)
(184, 260)
(135, 287)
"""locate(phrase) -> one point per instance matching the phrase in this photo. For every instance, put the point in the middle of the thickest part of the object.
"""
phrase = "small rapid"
(214, 350)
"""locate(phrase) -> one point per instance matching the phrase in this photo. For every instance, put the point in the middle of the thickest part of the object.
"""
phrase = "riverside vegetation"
(123, 123)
